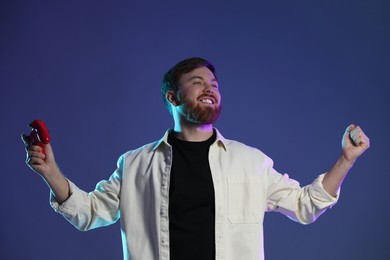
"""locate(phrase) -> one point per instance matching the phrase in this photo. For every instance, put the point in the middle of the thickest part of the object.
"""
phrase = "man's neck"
(193, 132)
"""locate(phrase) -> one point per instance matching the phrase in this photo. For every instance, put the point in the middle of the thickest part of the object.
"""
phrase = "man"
(194, 194)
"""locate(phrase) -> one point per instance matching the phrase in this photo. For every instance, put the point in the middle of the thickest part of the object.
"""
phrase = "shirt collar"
(220, 140)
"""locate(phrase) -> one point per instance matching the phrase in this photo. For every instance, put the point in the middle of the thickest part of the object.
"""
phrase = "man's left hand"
(354, 143)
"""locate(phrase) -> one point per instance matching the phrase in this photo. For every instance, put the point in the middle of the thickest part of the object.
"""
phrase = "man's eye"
(197, 83)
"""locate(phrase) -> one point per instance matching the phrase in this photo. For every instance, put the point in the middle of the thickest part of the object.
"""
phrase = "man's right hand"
(46, 166)
(39, 162)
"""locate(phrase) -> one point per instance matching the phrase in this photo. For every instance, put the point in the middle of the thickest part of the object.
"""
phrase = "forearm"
(335, 176)
(58, 184)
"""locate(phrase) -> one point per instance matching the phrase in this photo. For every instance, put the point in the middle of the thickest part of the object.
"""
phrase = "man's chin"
(201, 115)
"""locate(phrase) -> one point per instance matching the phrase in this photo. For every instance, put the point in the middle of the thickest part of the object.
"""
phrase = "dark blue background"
(293, 75)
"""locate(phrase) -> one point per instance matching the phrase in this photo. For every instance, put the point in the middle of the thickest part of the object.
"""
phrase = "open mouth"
(207, 101)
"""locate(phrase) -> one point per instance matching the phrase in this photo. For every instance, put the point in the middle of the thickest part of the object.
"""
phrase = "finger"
(347, 138)
(34, 161)
(356, 130)
(357, 140)
(360, 138)
(364, 141)
(35, 148)
(365, 144)
(350, 128)
(36, 154)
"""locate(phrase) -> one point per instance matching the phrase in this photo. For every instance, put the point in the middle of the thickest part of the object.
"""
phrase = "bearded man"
(194, 194)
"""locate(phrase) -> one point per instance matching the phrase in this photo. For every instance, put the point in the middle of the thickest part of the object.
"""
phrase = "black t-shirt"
(191, 201)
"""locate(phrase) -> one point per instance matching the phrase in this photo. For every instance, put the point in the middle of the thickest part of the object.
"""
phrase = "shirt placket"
(164, 219)
(218, 190)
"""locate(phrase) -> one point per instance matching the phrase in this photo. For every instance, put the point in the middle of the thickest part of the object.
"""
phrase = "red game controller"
(39, 134)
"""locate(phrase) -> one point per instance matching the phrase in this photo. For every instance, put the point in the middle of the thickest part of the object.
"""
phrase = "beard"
(197, 114)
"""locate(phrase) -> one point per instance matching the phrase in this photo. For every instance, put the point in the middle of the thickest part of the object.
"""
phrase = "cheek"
(185, 99)
(190, 95)
(219, 97)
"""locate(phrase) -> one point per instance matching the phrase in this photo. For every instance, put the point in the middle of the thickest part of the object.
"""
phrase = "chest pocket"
(246, 199)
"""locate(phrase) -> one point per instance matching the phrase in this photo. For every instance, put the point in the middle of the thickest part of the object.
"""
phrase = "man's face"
(198, 97)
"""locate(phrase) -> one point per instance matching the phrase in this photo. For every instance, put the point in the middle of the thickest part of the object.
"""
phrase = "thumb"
(49, 152)
(350, 128)
(347, 134)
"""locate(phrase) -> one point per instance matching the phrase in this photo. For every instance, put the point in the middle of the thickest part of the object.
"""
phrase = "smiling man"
(194, 194)
(196, 103)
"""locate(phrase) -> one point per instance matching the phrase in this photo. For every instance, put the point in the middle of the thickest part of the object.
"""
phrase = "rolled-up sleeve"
(302, 204)
(94, 209)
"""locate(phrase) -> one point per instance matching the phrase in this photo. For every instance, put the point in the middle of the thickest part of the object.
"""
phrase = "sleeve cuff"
(321, 197)
(69, 206)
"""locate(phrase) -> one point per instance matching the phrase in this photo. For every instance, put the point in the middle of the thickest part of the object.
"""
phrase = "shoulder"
(141, 151)
(239, 149)
(137, 157)
(149, 148)
(237, 146)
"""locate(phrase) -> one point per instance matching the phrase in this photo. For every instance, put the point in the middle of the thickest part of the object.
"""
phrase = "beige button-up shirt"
(245, 185)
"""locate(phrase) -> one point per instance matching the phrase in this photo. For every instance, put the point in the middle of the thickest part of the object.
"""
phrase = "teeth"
(206, 101)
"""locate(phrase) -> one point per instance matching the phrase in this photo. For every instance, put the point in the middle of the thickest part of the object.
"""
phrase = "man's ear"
(171, 97)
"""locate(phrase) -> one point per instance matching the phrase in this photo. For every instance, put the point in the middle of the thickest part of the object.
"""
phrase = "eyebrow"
(199, 77)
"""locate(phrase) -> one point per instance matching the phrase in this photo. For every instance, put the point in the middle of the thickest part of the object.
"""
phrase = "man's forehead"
(201, 73)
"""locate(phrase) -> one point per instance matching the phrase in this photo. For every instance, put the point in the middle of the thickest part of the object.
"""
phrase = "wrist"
(345, 161)
(52, 173)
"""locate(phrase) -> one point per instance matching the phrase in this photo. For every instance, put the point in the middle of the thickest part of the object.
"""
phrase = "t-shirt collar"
(220, 140)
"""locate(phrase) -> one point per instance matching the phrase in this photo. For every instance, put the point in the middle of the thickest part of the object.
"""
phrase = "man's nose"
(209, 89)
